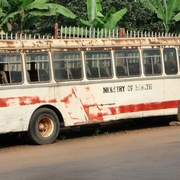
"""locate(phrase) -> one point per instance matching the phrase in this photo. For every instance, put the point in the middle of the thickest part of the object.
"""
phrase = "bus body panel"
(84, 104)
(172, 94)
(18, 106)
(87, 99)
(138, 98)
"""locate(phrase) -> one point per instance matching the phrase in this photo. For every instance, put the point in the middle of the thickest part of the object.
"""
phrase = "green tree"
(3, 5)
(97, 20)
(22, 14)
(138, 17)
(166, 10)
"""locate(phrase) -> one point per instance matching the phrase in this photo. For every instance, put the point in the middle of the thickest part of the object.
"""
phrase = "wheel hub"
(45, 126)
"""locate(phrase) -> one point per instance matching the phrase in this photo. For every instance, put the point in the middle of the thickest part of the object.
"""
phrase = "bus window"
(38, 67)
(127, 63)
(170, 61)
(67, 66)
(152, 62)
(10, 69)
(98, 64)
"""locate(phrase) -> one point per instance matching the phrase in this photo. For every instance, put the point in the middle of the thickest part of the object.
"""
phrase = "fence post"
(122, 32)
(56, 31)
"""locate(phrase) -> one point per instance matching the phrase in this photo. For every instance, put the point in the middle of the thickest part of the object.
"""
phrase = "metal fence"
(24, 36)
(79, 32)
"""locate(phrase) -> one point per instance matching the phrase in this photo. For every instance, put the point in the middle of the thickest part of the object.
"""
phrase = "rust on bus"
(90, 43)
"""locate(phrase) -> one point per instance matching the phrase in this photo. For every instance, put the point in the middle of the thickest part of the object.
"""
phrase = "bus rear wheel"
(43, 127)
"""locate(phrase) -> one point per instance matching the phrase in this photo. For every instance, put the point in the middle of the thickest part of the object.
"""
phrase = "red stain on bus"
(74, 92)
(95, 117)
(113, 110)
(93, 112)
(23, 101)
(27, 100)
(52, 101)
(171, 104)
(148, 106)
(66, 99)
(3, 102)
(98, 116)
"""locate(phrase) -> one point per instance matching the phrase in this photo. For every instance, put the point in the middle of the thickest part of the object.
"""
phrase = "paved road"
(142, 154)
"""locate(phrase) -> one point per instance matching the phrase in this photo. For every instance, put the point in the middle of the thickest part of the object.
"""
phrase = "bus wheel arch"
(58, 113)
(44, 126)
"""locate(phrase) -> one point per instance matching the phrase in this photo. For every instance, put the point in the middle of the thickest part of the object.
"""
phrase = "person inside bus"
(3, 78)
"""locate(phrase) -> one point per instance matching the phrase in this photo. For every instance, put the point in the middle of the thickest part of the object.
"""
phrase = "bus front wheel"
(43, 127)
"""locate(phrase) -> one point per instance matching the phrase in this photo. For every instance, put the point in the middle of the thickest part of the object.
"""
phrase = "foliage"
(21, 15)
(97, 20)
(165, 11)
(138, 17)
(3, 6)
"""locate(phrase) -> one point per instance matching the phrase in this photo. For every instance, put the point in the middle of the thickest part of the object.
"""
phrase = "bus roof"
(85, 43)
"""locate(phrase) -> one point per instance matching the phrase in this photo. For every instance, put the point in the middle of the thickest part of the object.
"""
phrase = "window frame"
(11, 69)
(67, 70)
(127, 68)
(98, 67)
(38, 70)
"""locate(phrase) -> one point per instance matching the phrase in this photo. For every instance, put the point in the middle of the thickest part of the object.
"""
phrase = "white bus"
(48, 84)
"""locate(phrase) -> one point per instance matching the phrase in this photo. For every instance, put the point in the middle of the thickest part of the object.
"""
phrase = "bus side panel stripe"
(148, 106)
(23, 101)
(28, 100)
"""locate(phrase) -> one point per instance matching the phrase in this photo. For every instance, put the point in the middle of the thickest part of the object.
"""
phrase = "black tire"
(43, 127)
(177, 117)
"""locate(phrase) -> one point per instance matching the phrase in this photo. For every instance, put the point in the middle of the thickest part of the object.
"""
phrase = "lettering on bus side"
(113, 89)
(136, 87)
(141, 87)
